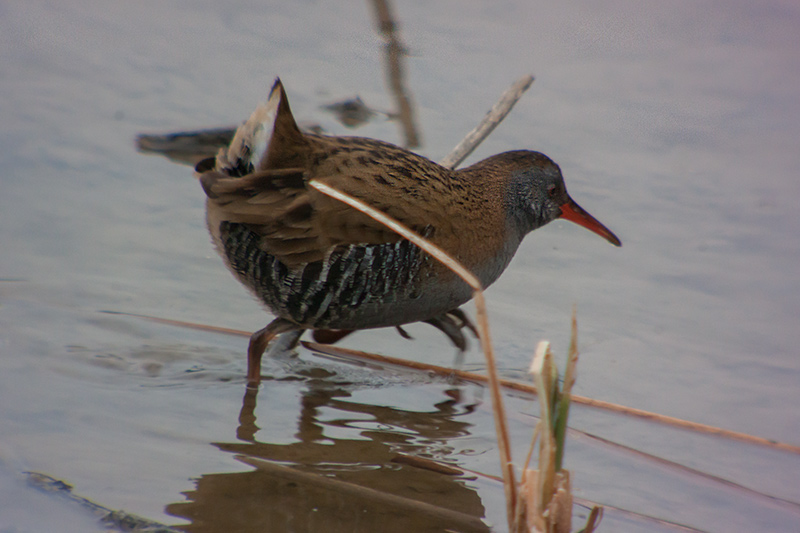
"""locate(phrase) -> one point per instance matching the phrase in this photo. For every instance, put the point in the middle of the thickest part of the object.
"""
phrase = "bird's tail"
(252, 139)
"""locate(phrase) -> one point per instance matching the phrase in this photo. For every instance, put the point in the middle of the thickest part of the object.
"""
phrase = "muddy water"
(674, 125)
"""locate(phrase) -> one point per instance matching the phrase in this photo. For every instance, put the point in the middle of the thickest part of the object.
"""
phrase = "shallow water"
(675, 125)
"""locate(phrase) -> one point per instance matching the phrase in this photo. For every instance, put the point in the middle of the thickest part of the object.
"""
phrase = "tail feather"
(251, 141)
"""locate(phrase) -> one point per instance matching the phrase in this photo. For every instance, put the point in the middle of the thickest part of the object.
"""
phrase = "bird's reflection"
(340, 472)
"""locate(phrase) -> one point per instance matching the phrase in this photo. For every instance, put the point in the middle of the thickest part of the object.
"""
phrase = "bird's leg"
(451, 324)
(331, 336)
(258, 344)
(448, 326)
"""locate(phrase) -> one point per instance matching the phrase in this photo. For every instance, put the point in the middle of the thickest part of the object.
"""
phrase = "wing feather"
(261, 180)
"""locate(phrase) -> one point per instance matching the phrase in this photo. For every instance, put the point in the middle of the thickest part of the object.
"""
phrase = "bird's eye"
(552, 191)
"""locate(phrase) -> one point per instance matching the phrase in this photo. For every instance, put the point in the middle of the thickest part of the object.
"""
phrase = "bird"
(318, 264)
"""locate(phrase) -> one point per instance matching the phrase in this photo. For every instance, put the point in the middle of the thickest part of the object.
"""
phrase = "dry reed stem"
(482, 317)
(548, 490)
(543, 487)
(394, 71)
(582, 400)
(534, 438)
(505, 383)
(500, 421)
(542, 369)
(445, 372)
(593, 520)
(559, 509)
(489, 123)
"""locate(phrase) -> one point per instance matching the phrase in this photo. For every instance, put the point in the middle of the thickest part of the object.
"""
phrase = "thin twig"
(507, 384)
(488, 124)
(672, 466)
(582, 400)
(394, 71)
(500, 420)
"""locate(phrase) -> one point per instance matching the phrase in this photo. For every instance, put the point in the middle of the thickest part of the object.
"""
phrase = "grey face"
(536, 195)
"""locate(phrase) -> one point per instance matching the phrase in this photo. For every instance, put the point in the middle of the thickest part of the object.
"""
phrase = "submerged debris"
(188, 147)
(111, 519)
(351, 113)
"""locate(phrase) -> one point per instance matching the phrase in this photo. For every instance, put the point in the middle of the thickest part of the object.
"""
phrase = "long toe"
(452, 324)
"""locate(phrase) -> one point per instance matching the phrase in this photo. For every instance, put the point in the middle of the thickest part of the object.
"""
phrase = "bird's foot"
(452, 324)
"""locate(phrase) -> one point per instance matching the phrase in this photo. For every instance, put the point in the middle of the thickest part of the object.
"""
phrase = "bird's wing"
(262, 179)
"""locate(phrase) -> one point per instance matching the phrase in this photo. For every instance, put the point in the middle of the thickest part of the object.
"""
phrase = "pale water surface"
(676, 124)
